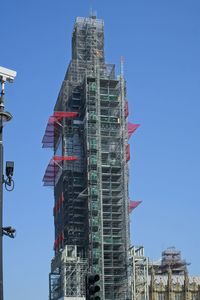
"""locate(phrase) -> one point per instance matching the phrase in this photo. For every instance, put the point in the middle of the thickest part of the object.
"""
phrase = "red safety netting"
(65, 114)
(53, 168)
(58, 204)
(58, 241)
(126, 109)
(51, 132)
(53, 127)
(128, 156)
(132, 128)
(133, 205)
(64, 158)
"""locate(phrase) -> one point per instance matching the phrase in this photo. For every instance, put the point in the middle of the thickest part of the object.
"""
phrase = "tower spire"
(93, 13)
(90, 191)
(122, 66)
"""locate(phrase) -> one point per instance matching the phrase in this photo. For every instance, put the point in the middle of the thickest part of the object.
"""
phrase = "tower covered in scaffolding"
(89, 133)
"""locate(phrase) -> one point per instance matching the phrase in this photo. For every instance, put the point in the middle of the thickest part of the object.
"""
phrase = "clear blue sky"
(160, 41)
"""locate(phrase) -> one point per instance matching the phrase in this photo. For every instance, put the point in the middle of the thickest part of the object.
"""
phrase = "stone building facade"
(173, 287)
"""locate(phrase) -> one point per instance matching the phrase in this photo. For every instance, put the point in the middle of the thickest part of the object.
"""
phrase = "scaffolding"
(67, 277)
(139, 269)
(171, 259)
(91, 210)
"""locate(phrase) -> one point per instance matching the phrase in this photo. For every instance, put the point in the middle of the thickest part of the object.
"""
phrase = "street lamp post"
(5, 75)
(1, 203)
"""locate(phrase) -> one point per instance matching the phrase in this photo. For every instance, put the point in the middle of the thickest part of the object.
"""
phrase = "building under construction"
(171, 259)
(89, 133)
(166, 279)
(169, 278)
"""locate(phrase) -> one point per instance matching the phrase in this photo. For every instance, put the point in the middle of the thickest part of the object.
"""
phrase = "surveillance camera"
(7, 74)
(9, 231)
(9, 168)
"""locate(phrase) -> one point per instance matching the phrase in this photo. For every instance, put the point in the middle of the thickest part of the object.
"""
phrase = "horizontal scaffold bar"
(65, 114)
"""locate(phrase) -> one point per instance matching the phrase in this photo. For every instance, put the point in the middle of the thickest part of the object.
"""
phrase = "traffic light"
(92, 287)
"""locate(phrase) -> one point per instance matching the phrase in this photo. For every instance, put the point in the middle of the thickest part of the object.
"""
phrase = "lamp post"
(5, 75)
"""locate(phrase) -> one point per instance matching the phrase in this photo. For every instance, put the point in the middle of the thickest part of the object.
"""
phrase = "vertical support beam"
(50, 284)
(100, 171)
(139, 266)
(125, 176)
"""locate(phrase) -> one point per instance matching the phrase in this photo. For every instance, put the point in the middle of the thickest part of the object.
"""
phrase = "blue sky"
(160, 41)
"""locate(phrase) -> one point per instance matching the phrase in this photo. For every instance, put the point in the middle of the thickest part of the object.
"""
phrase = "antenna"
(122, 66)
(91, 9)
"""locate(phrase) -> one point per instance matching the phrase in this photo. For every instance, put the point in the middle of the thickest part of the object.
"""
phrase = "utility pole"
(5, 75)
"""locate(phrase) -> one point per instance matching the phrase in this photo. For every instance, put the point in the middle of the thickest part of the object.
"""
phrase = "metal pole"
(1, 196)
(6, 75)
